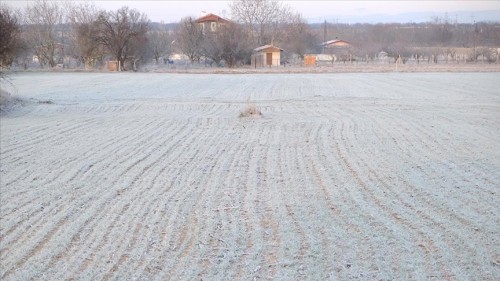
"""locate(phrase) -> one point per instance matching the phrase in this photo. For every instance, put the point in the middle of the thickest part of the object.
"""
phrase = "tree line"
(51, 32)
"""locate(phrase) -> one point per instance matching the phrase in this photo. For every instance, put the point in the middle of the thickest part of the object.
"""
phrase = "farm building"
(335, 50)
(211, 23)
(267, 55)
(335, 44)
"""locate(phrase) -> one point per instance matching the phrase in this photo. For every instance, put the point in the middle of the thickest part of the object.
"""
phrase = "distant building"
(336, 44)
(337, 50)
(267, 55)
(211, 23)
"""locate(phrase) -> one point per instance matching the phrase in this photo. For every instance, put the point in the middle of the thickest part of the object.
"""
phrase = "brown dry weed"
(251, 110)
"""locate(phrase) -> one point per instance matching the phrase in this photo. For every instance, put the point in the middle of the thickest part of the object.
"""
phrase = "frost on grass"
(251, 110)
(251, 198)
(8, 101)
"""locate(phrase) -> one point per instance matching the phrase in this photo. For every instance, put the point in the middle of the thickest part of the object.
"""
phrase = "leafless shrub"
(4, 97)
(8, 101)
(251, 110)
(45, 102)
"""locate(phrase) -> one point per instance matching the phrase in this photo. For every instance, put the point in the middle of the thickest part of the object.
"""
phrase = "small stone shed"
(267, 55)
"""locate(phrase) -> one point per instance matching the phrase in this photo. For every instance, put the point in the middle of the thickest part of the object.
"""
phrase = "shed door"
(269, 58)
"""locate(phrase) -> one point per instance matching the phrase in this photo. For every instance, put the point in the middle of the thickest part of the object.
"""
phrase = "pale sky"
(313, 11)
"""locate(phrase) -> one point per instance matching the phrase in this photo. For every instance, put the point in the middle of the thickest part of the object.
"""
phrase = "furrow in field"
(345, 137)
(353, 216)
(322, 170)
(288, 166)
(48, 219)
(249, 240)
(206, 205)
(402, 211)
(441, 165)
(250, 134)
(335, 207)
(29, 144)
(420, 206)
(52, 202)
(222, 244)
(460, 156)
(250, 249)
(347, 176)
(268, 209)
(368, 209)
(52, 144)
(403, 198)
(280, 157)
(68, 168)
(187, 228)
(117, 215)
(142, 211)
(181, 160)
(368, 229)
(334, 200)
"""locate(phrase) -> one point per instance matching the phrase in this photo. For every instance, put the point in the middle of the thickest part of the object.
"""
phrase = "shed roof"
(335, 42)
(211, 18)
(268, 48)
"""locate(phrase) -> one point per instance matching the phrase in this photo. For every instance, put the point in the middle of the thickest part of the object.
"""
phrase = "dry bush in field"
(45, 102)
(7, 100)
(251, 110)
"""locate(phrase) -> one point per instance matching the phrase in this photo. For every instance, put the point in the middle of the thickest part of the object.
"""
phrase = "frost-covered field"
(155, 177)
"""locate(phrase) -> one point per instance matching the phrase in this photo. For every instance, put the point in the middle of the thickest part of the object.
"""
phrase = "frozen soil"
(154, 176)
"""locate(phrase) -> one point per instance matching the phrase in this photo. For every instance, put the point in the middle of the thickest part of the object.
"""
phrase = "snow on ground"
(373, 176)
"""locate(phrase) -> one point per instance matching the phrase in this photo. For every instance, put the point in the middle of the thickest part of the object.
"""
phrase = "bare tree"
(189, 39)
(399, 52)
(83, 20)
(264, 18)
(139, 50)
(299, 38)
(212, 46)
(41, 18)
(10, 34)
(234, 44)
(118, 30)
(160, 43)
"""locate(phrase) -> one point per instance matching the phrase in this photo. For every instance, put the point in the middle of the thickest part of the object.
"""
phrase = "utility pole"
(476, 31)
(324, 32)
(324, 36)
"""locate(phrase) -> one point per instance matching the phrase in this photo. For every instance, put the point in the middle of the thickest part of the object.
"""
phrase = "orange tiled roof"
(211, 18)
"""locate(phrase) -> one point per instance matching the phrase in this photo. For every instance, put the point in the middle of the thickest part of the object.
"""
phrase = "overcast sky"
(313, 11)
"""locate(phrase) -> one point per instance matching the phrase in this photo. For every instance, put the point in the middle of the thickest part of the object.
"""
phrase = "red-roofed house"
(211, 22)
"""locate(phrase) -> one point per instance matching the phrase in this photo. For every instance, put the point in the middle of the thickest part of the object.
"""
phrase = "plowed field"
(345, 176)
